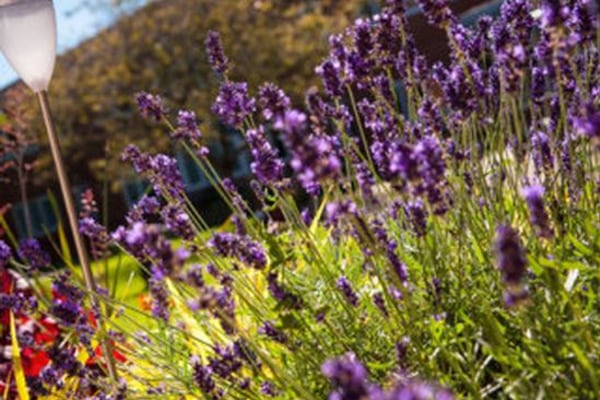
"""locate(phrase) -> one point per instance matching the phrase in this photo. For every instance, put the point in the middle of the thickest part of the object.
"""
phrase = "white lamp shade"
(28, 39)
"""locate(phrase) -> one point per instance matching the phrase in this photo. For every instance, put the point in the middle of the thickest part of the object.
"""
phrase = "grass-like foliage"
(443, 247)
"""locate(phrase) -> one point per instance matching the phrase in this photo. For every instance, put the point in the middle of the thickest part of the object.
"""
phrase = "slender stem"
(65, 188)
(24, 201)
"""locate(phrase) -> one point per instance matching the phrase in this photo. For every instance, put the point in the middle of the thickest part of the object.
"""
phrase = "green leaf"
(65, 249)
(583, 249)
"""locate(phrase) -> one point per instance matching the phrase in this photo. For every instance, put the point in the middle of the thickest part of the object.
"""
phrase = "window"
(491, 8)
(192, 175)
(42, 215)
(133, 190)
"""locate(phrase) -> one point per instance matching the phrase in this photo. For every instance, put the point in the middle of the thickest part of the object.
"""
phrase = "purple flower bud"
(268, 389)
(533, 196)
(233, 103)
(31, 252)
(437, 11)
(330, 72)
(178, 221)
(273, 101)
(266, 164)
(348, 375)
(344, 285)
(160, 295)
(589, 125)
(268, 329)
(150, 106)
(187, 126)
(203, 376)
(380, 303)
(241, 247)
(216, 56)
(5, 254)
(510, 256)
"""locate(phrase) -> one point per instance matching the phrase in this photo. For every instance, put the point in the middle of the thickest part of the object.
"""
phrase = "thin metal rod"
(65, 188)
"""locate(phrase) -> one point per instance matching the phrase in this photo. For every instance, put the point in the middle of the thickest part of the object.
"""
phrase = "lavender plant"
(449, 249)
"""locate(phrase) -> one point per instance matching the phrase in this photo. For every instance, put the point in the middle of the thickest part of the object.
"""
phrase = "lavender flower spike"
(233, 104)
(150, 106)
(511, 261)
(533, 195)
(216, 56)
(31, 252)
(5, 254)
(346, 288)
(510, 256)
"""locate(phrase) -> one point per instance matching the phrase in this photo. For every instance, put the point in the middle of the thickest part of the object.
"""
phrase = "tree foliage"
(160, 49)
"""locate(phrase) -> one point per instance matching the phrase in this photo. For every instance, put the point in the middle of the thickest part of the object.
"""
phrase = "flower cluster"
(401, 168)
(240, 247)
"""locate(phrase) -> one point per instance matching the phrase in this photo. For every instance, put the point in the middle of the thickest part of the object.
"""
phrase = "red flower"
(33, 361)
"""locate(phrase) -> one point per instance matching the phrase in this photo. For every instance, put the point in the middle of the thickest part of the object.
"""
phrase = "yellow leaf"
(17, 366)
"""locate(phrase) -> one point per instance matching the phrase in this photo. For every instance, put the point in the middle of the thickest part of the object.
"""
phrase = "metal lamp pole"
(28, 41)
(82, 254)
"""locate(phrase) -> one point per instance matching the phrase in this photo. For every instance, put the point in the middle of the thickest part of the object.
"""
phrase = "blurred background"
(109, 50)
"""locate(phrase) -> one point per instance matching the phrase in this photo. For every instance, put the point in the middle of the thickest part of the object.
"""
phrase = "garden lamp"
(28, 41)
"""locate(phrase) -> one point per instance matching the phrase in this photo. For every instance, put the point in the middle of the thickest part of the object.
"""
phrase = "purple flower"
(64, 289)
(418, 390)
(266, 164)
(364, 178)
(348, 376)
(437, 12)
(5, 254)
(416, 214)
(14, 302)
(268, 329)
(160, 295)
(280, 294)
(178, 221)
(589, 125)
(203, 376)
(432, 168)
(227, 361)
(161, 170)
(187, 126)
(554, 14)
(273, 101)
(145, 207)
(66, 311)
(330, 72)
(511, 261)
(216, 56)
(49, 376)
(97, 234)
(335, 210)
(401, 348)
(147, 244)
(31, 252)
(533, 196)
(380, 303)
(542, 153)
(233, 104)
(390, 246)
(314, 157)
(150, 106)
(268, 389)
(538, 85)
(195, 277)
(241, 247)
(344, 285)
